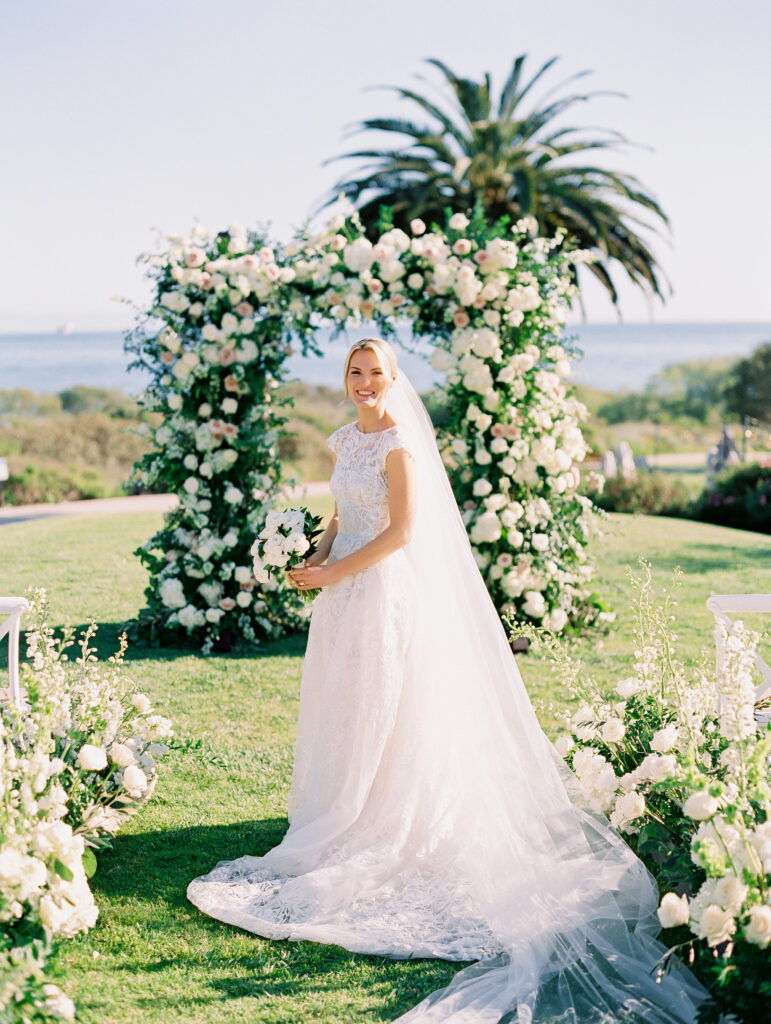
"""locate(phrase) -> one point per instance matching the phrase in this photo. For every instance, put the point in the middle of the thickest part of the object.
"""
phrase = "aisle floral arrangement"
(76, 762)
(679, 763)
(226, 308)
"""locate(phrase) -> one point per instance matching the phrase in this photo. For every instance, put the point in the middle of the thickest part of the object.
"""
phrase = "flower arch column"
(493, 299)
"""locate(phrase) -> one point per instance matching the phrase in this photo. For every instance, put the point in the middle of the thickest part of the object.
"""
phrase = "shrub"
(740, 497)
(650, 494)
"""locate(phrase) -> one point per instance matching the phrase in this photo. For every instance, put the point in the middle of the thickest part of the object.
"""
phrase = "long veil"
(569, 909)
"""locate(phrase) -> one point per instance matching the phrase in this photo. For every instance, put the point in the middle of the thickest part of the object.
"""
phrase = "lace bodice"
(359, 482)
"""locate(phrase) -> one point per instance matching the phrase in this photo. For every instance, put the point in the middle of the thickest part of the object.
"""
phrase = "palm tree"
(514, 162)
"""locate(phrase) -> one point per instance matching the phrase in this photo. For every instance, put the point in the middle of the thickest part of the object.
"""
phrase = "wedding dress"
(429, 814)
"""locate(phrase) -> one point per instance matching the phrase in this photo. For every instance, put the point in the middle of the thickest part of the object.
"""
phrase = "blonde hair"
(381, 348)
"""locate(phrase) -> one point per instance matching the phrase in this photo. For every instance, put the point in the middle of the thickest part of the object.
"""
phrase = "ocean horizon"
(615, 357)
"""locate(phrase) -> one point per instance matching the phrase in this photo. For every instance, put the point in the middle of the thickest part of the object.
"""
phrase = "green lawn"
(153, 958)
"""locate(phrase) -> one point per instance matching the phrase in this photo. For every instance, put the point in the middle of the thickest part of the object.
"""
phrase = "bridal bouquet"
(285, 540)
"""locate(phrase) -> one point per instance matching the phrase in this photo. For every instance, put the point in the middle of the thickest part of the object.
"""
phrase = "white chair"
(11, 611)
(722, 607)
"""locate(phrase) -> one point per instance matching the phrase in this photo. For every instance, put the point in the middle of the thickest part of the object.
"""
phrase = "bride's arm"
(402, 492)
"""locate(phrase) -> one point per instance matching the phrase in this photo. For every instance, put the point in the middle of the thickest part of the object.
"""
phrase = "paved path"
(130, 503)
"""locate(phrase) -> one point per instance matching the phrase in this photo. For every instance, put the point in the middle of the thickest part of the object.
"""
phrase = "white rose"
(417, 227)
(481, 487)
(664, 739)
(535, 605)
(174, 400)
(214, 614)
(92, 758)
(731, 893)
(171, 593)
(540, 541)
(628, 807)
(487, 529)
(58, 1003)
(556, 620)
(243, 599)
(191, 485)
(134, 780)
(700, 805)
(628, 687)
(233, 496)
(758, 929)
(613, 730)
(459, 222)
(716, 925)
(563, 744)
(242, 574)
(141, 703)
(673, 910)
(121, 755)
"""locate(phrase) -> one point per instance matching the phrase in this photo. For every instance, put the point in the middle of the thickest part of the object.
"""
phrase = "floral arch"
(494, 301)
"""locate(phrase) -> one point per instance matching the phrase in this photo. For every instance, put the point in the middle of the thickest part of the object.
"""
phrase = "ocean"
(615, 356)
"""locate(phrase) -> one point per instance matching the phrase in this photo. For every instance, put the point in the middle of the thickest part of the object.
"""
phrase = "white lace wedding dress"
(422, 826)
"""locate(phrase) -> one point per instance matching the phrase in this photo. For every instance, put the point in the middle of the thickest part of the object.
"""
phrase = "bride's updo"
(382, 349)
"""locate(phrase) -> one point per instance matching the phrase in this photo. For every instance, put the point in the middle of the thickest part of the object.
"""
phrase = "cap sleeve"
(335, 438)
(398, 438)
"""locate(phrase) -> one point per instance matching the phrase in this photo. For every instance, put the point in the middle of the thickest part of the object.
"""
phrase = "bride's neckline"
(367, 433)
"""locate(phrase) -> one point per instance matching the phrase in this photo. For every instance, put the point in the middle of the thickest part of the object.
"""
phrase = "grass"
(152, 957)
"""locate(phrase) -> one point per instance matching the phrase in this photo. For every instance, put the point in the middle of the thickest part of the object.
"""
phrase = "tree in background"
(748, 392)
(514, 161)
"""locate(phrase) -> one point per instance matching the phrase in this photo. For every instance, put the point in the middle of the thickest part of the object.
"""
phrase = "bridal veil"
(568, 910)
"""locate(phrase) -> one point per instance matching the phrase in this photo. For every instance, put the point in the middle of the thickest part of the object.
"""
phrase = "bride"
(429, 814)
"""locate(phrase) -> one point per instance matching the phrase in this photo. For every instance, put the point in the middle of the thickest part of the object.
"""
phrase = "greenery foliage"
(748, 392)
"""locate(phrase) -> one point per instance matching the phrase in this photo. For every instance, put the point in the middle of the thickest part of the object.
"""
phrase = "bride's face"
(367, 380)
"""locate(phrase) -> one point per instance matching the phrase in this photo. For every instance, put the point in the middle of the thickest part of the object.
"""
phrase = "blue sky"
(120, 120)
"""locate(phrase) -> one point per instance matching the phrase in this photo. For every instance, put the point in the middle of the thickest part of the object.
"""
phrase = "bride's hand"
(309, 577)
(315, 559)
